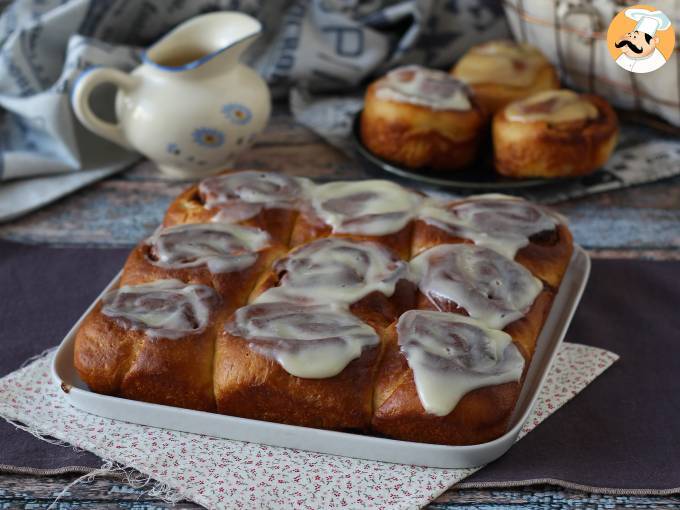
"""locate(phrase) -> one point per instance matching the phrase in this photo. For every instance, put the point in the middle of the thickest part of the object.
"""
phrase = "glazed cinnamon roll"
(500, 72)
(152, 342)
(554, 134)
(364, 276)
(374, 210)
(446, 378)
(312, 366)
(531, 234)
(421, 118)
(483, 284)
(268, 201)
(226, 257)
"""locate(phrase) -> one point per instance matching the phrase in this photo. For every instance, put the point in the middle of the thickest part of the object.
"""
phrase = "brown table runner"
(617, 434)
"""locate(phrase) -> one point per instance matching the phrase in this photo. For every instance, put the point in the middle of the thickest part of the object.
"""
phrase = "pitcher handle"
(80, 101)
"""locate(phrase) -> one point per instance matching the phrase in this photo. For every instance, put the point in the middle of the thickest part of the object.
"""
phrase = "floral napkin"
(220, 473)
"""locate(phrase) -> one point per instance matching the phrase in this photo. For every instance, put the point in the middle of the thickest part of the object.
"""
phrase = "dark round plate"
(480, 177)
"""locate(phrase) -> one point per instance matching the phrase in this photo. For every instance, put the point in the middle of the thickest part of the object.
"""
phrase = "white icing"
(314, 342)
(499, 222)
(370, 207)
(335, 270)
(161, 309)
(552, 106)
(451, 355)
(223, 248)
(239, 196)
(426, 87)
(490, 287)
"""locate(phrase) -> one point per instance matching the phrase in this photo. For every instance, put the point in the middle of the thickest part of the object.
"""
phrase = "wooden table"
(641, 222)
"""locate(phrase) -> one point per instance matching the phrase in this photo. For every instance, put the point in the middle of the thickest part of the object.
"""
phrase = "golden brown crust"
(540, 149)
(233, 287)
(547, 255)
(250, 385)
(126, 363)
(495, 96)
(189, 207)
(480, 416)
(419, 137)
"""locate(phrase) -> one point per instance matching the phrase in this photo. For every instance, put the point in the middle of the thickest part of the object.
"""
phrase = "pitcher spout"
(219, 38)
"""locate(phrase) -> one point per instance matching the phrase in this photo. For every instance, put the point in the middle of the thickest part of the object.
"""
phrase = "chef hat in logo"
(648, 22)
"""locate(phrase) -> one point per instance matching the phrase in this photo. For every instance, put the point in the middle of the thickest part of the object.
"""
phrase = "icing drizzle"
(335, 270)
(490, 287)
(504, 62)
(552, 106)
(371, 207)
(161, 309)
(239, 196)
(314, 342)
(451, 355)
(426, 87)
(223, 248)
(499, 222)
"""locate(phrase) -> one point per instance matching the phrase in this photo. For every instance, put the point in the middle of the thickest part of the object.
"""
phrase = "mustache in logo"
(625, 42)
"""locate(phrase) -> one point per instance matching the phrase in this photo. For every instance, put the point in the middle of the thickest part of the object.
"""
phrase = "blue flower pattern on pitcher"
(208, 137)
(237, 113)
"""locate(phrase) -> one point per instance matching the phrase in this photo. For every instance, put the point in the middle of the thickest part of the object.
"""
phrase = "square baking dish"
(327, 441)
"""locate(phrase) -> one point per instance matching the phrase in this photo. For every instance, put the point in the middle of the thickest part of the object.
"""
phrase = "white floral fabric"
(220, 473)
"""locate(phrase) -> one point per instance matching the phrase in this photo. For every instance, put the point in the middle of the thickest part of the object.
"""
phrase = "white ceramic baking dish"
(325, 441)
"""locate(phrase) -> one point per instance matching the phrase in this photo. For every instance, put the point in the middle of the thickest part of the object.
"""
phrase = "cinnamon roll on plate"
(153, 342)
(533, 235)
(265, 200)
(500, 72)
(225, 256)
(421, 118)
(373, 210)
(553, 134)
(311, 366)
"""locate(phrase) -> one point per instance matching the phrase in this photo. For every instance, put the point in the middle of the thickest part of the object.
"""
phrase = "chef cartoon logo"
(641, 39)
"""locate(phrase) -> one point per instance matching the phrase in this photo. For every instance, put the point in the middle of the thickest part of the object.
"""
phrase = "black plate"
(479, 177)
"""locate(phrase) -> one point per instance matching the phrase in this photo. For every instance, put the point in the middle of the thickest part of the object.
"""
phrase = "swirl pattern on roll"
(451, 355)
(222, 248)
(499, 222)
(314, 342)
(371, 207)
(490, 287)
(242, 195)
(425, 87)
(161, 309)
(335, 271)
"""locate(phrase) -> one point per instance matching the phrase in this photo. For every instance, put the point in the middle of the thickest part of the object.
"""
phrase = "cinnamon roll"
(446, 378)
(483, 284)
(421, 118)
(374, 210)
(500, 72)
(364, 276)
(264, 200)
(227, 257)
(312, 366)
(152, 342)
(534, 236)
(552, 134)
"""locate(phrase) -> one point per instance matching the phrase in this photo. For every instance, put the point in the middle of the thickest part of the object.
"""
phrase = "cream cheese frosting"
(425, 87)
(161, 309)
(221, 247)
(553, 106)
(451, 355)
(313, 342)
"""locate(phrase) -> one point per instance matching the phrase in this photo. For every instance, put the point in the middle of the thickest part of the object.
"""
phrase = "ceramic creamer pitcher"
(191, 106)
